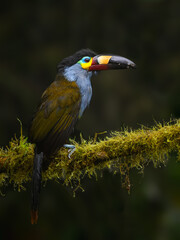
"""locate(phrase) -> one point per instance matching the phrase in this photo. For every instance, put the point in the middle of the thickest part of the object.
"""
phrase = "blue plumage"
(83, 79)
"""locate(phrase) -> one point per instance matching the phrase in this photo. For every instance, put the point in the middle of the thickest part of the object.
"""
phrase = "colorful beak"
(101, 62)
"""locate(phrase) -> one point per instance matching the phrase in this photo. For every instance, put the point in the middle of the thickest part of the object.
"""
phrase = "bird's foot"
(71, 149)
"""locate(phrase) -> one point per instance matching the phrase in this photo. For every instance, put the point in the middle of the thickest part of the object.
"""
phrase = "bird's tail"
(36, 186)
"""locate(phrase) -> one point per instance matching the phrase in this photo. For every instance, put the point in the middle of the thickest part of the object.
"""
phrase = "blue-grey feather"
(83, 79)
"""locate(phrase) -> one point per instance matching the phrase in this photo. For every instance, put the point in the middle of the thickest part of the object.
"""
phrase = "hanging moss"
(121, 152)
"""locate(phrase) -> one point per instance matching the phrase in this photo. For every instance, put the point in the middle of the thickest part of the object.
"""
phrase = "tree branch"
(121, 152)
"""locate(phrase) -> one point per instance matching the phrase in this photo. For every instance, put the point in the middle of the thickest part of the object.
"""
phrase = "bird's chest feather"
(86, 94)
(83, 79)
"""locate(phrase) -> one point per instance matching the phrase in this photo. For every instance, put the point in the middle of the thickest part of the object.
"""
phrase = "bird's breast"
(82, 78)
(86, 93)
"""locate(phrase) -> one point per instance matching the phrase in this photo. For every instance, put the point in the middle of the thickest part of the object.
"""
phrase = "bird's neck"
(75, 72)
(82, 78)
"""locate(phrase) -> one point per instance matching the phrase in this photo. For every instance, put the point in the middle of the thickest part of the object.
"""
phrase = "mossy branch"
(121, 152)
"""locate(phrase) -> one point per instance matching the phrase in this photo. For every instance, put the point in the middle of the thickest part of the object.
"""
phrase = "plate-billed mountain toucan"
(62, 103)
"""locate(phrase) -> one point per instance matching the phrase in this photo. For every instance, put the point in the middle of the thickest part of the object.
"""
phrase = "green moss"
(16, 162)
(121, 152)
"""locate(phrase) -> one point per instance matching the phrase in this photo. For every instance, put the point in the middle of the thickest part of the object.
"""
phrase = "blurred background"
(34, 37)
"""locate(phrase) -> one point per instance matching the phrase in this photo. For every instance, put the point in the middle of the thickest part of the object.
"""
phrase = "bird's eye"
(85, 62)
(86, 59)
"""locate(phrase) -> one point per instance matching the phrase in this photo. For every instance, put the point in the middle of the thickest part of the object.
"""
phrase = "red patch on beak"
(98, 67)
(95, 66)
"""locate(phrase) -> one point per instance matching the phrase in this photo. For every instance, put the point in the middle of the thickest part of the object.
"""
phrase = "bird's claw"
(71, 149)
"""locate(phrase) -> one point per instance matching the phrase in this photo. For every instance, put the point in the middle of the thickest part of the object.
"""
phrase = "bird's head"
(105, 62)
(88, 61)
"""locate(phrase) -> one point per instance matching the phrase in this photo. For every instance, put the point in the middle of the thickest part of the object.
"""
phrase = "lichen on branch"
(121, 152)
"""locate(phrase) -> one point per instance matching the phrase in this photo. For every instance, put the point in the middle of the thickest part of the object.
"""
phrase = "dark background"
(34, 37)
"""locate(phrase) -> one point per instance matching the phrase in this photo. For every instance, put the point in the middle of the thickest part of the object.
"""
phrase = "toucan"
(61, 105)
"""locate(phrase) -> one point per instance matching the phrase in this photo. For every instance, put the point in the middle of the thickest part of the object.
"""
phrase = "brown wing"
(56, 116)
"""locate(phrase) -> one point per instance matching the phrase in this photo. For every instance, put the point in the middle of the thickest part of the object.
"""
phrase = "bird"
(61, 105)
